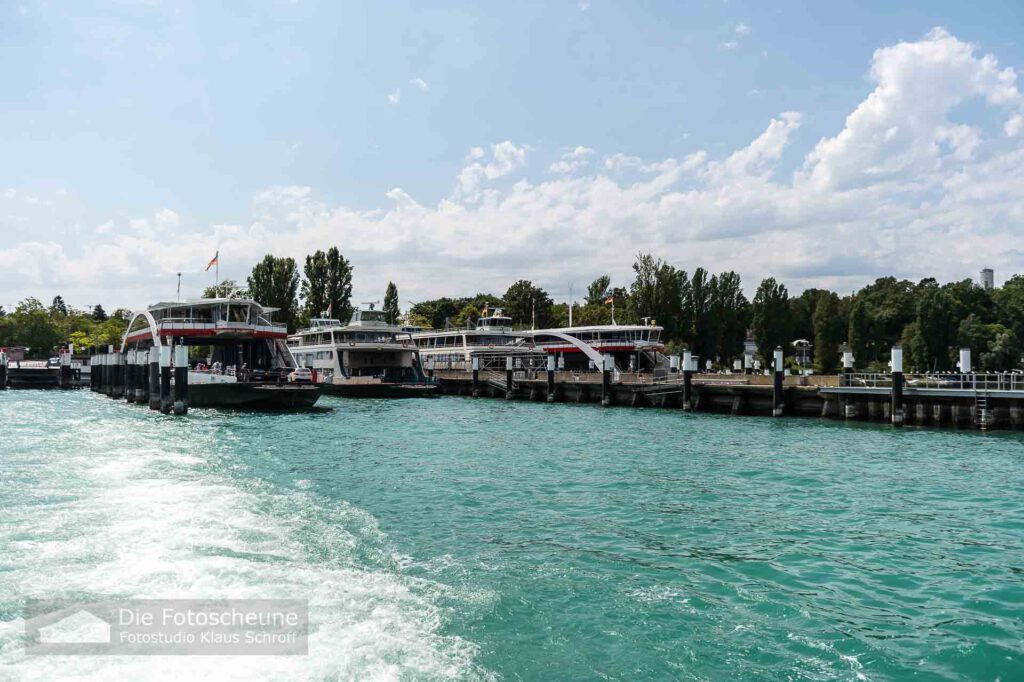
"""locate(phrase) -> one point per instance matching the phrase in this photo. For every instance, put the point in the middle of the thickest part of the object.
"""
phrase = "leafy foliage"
(274, 283)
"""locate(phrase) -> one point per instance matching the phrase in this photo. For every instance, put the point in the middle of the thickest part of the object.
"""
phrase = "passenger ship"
(490, 341)
(368, 357)
(634, 347)
(237, 356)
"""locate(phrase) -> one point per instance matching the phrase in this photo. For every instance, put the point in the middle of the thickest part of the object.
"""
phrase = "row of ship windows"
(319, 355)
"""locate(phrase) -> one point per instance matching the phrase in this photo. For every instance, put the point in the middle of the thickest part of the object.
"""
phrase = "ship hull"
(253, 396)
(381, 390)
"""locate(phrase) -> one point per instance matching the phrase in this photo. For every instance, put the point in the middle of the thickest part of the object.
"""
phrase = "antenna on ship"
(179, 286)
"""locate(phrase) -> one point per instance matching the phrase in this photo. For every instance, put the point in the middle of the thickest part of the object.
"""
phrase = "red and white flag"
(213, 261)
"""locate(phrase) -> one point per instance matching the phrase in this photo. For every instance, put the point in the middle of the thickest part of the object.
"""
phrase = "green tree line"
(44, 329)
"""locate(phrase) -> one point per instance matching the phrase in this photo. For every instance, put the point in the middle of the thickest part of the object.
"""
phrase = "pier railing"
(957, 382)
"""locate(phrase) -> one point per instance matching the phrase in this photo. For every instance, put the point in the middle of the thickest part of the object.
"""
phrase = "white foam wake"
(118, 514)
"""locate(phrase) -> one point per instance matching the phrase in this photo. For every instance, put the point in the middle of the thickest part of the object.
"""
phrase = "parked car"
(300, 375)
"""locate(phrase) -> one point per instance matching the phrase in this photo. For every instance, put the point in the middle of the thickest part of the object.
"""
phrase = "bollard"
(606, 380)
(748, 363)
(896, 363)
(551, 379)
(476, 377)
(778, 399)
(101, 373)
(687, 381)
(107, 386)
(3, 370)
(129, 376)
(165, 380)
(849, 408)
(117, 376)
(673, 364)
(180, 379)
(154, 378)
(142, 377)
(508, 378)
(65, 370)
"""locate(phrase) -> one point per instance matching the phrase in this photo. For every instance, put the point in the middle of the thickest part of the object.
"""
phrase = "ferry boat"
(237, 357)
(368, 357)
(634, 347)
(491, 340)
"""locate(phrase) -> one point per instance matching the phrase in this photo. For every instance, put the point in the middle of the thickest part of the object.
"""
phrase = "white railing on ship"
(1005, 381)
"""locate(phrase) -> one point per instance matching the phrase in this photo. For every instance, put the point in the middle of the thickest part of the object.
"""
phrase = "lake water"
(484, 539)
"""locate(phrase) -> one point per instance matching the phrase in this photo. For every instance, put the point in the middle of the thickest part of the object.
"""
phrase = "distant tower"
(988, 279)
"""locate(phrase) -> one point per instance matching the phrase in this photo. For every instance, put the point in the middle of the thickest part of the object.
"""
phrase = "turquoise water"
(454, 538)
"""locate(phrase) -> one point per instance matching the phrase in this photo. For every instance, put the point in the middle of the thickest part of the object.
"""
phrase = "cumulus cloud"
(730, 45)
(572, 161)
(742, 29)
(907, 186)
(396, 96)
(421, 84)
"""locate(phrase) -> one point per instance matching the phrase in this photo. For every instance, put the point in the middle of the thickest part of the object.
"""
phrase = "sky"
(455, 147)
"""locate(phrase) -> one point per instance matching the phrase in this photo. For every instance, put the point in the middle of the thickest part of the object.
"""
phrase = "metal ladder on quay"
(982, 416)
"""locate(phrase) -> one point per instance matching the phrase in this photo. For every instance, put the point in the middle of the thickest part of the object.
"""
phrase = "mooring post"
(687, 381)
(65, 369)
(475, 392)
(673, 364)
(606, 380)
(154, 378)
(896, 363)
(129, 376)
(108, 374)
(3, 369)
(778, 399)
(118, 383)
(165, 380)
(180, 379)
(551, 378)
(101, 372)
(508, 378)
(142, 376)
(748, 363)
(849, 407)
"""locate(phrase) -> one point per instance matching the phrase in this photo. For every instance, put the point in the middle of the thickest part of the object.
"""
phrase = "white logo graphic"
(81, 627)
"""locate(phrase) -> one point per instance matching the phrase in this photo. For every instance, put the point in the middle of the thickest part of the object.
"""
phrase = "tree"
(597, 292)
(697, 310)
(829, 331)
(33, 327)
(327, 285)
(59, 307)
(467, 317)
(801, 313)
(770, 317)
(99, 314)
(935, 326)
(730, 315)
(439, 312)
(528, 305)
(656, 293)
(858, 334)
(339, 284)
(1009, 300)
(226, 287)
(274, 283)
(314, 285)
(2, 311)
(391, 308)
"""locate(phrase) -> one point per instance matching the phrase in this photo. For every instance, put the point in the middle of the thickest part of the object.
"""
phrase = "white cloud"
(742, 29)
(421, 84)
(10, 193)
(1015, 125)
(505, 158)
(104, 228)
(584, 5)
(906, 186)
(572, 161)
(396, 96)
(730, 45)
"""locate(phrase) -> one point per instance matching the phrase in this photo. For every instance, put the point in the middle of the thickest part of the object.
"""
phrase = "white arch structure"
(587, 349)
(152, 328)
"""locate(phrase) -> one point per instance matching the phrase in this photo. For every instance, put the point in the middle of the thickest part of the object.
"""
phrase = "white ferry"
(491, 340)
(237, 356)
(634, 347)
(365, 358)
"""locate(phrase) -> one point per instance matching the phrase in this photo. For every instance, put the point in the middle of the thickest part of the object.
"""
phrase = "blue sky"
(425, 140)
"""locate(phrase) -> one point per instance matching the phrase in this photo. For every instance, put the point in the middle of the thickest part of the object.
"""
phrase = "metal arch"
(587, 349)
(152, 328)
